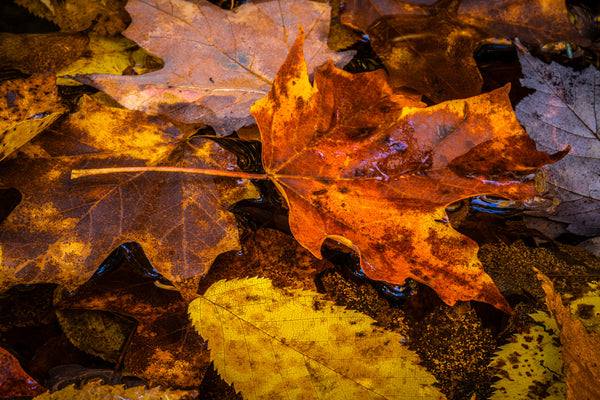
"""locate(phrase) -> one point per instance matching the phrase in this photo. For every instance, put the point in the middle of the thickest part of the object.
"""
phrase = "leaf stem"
(78, 173)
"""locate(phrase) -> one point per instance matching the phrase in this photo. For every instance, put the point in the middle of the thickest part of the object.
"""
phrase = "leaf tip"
(301, 34)
(560, 154)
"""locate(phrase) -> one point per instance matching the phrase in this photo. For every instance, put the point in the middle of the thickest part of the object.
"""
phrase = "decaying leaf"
(581, 350)
(98, 16)
(563, 111)
(164, 349)
(95, 332)
(375, 170)
(361, 14)
(64, 228)
(586, 307)
(429, 48)
(39, 53)
(13, 380)
(96, 391)
(216, 63)
(110, 55)
(27, 107)
(526, 19)
(268, 341)
(530, 365)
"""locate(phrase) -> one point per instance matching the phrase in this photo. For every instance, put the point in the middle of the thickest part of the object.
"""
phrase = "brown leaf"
(431, 54)
(27, 107)
(524, 19)
(164, 348)
(361, 14)
(374, 170)
(13, 380)
(98, 16)
(216, 61)
(33, 53)
(429, 48)
(64, 228)
(581, 350)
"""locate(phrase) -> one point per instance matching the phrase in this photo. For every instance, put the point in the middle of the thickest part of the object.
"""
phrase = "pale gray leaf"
(563, 111)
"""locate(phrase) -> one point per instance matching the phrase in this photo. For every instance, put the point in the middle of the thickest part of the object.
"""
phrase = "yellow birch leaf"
(587, 307)
(290, 343)
(531, 361)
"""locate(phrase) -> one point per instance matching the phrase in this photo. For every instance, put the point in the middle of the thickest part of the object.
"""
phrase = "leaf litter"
(417, 306)
(163, 348)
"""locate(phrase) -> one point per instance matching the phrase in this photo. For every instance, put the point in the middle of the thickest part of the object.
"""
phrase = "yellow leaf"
(530, 361)
(110, 55)
(274, 343)
(27, 107)
(22, 132)
(587, 307)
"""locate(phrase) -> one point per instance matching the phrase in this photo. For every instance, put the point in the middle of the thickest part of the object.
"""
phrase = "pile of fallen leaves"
(300, 199)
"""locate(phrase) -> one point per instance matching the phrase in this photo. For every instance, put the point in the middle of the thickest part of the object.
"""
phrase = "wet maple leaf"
(216, 61)
(375, 170)
(430, 48)
(63, 228)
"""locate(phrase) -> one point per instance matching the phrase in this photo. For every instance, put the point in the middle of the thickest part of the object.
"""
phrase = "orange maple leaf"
(375, 171)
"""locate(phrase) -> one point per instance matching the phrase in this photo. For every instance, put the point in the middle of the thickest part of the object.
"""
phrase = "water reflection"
(502, 206)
